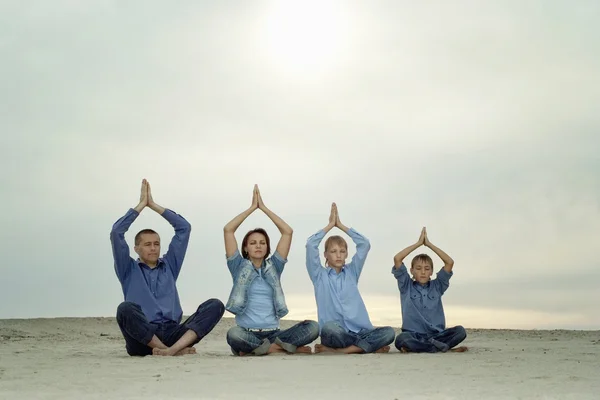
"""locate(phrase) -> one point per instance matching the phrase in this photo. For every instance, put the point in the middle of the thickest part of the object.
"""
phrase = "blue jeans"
(258, 343)
(431, 342)
(138, 332)
(335, 336)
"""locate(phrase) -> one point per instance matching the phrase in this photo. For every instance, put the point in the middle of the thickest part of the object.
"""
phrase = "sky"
(476, 119)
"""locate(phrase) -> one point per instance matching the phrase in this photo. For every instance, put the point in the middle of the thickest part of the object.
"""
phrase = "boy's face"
(336, 255)
(421, 271)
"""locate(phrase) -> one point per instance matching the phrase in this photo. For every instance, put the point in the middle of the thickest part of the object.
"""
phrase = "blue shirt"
(422, 309)
(260, 309)
(153, 289)
(337, 295)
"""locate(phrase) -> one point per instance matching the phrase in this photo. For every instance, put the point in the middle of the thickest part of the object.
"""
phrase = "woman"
(257, 298)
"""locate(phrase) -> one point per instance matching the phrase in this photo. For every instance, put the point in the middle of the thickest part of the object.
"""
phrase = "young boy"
(423, 321)
(343, 318)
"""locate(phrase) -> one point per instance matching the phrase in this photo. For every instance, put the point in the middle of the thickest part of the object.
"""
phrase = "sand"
(84, 358)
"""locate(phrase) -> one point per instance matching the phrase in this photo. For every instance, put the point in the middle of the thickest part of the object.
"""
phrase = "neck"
(337, 269)
(257, 262)
(148, 263)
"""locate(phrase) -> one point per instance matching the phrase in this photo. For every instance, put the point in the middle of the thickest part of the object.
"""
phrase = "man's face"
(148, 248)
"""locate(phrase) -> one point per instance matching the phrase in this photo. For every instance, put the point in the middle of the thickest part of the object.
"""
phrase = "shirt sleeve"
(402, 276)
(362, 249)
(442, 280)
(179, 242)
(278, 262)
(120, 249)
(313, 260)
(234, 263)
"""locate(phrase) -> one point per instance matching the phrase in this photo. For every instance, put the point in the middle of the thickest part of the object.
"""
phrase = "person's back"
(423, 319)
(343, 318)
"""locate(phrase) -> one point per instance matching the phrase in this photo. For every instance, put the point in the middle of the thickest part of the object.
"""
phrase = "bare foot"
(162, 352)
(319, 348)
(275, 348)
(384, 349)
(460, 349)
(404, 350)
(304, 349)
(187, 350)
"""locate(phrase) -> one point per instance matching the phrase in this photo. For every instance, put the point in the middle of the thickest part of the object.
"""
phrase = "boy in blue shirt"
(423, 320)
(343, 318)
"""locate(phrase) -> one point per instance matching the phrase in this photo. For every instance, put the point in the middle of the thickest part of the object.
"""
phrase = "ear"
(136, 249)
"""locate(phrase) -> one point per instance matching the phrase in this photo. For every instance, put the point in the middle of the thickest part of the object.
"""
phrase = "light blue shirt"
(260, 309)
(422, 309)
(337, 295)
(153, 289)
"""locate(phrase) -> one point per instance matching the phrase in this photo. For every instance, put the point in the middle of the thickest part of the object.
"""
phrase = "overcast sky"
(477, 119)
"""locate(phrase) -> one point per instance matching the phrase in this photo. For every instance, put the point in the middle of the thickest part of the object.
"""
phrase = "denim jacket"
(242, 272)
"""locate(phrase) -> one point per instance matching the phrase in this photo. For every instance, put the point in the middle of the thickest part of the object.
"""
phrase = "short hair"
(331, 240)
(138, 237)
(423, 258)
(245, 241)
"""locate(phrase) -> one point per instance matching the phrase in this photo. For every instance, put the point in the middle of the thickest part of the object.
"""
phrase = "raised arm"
(313, 259)
(231, 245)
(399, 258)
(448, 261)
(362, 245)
(179, 243)
(285, 242)
(120, 249)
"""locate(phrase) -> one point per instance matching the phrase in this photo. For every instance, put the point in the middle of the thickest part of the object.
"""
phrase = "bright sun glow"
(307, 36)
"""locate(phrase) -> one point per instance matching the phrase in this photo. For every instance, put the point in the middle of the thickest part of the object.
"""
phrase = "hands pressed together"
(146, 199)
(423, 239)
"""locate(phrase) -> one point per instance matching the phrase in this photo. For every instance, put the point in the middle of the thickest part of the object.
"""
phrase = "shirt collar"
(331, 270)
(159, 263)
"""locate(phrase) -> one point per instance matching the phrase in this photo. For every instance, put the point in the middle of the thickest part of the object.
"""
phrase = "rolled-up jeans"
(431, 342)
(257, 341)
(335, 336)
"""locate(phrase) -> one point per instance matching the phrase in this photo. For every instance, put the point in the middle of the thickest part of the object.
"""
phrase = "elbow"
(113, 235)
(288, 232)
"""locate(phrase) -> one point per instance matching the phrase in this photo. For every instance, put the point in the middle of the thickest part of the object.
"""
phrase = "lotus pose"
(150, 316)
(343, 318)
(257, 298)
(423, 320)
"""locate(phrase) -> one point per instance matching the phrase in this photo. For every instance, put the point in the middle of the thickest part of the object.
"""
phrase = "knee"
(126, 308)
(401, 339)
(215, 304)
(234, 335)
(331, 328)
(461, 332)
(388, 334)
(313, 329)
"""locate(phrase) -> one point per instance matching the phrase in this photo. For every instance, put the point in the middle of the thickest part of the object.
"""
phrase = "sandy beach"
(74, 358)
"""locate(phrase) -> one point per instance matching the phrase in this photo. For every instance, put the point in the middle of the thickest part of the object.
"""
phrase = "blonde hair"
(331, 240)
(422, 258)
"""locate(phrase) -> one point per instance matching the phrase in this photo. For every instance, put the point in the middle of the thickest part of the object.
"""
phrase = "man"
(150, 316)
